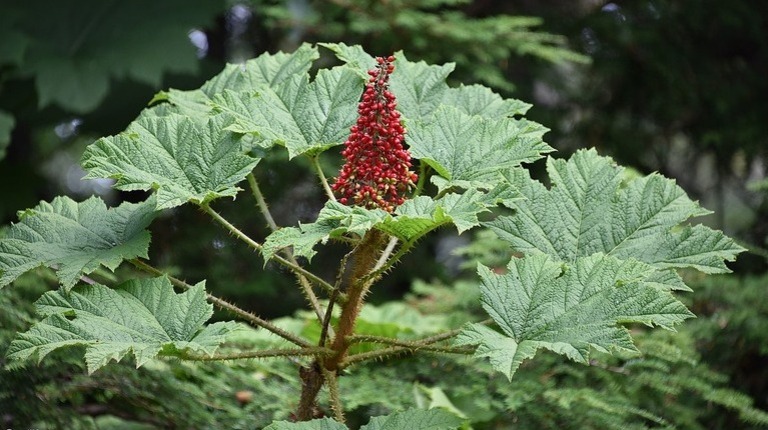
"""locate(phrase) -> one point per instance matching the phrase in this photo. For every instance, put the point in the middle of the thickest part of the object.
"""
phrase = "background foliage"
(673, 86)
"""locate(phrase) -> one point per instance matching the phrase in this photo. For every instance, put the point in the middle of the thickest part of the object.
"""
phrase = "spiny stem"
(333, 393)
(311, 383)
(387, 252)
(261, 202)
(245, 315)
(364, 258)
(258, 247)
(395, 350)
(305, 285)
(326, 328)
(361, 338)
(316, 164)
(373, 355)
(406, 347)
(386, 265)
(291, 352)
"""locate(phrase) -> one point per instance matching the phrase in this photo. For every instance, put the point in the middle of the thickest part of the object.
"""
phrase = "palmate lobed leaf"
(143, 316)
(411, 419)
(182, 161)
(589, 209)
(567, 308)
(421, 89)
(303, 116)
(472, 151)
(265, 70)
(75, 238)
(410, 221)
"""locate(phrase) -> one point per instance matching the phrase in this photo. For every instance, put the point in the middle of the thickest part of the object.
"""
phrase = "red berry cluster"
(376, 173)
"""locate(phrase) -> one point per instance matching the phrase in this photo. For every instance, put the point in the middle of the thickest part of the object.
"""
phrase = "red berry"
(377, 166)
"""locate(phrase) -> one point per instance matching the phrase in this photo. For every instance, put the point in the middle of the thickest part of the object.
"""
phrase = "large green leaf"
(588, 210)
(354, 56)
(266, 69)
(411, 419)
(567, 308)
(481, 101)
(318, 424)
(76, 47)
(469, 151)
(415, 419)
(420, 88)
(410, 221)
(303, 116)
(143, 316)
(182, 161)
(75, 238)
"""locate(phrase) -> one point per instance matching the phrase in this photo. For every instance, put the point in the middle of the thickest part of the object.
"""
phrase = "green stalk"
(306, 287)
(319, 170)
(266, 353)
(258, 247)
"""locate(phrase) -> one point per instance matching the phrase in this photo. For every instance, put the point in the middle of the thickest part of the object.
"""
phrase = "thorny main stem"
(363, 260)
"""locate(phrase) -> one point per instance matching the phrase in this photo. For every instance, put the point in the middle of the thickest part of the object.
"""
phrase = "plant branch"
(306, 287)
(316, 164)
(387, 252)
(386, 265)
(410, 345)
(290, 352)
(333, 393)
(326, 329)
(243, 314)
(405, 347)
(256, 191)
(258, 247)
(364, 258)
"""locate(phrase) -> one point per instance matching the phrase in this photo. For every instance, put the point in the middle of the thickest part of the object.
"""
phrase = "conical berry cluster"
(377, 172)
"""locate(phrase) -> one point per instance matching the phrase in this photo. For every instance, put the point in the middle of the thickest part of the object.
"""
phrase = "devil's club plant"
(596, 250)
